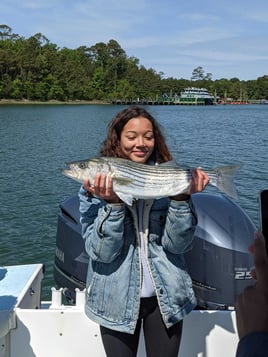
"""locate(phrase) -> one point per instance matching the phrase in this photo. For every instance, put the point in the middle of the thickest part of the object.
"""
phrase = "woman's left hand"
(198, 181)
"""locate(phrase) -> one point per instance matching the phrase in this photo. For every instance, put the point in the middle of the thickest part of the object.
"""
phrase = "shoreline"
(50, 102)
(103, 102)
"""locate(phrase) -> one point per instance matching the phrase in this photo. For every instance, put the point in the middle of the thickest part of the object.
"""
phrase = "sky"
(226, 38)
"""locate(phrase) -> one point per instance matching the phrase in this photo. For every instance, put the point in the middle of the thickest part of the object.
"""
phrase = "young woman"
(136, 271)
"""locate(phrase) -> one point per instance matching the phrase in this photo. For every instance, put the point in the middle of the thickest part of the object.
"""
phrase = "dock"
(166, 101)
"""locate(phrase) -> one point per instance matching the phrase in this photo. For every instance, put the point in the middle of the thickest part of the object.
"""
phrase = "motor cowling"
(219, 263)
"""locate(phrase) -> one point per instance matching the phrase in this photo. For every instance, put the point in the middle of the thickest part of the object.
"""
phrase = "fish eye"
(82, 165)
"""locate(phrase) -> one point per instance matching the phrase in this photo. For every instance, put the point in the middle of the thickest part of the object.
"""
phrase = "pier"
(164, 101)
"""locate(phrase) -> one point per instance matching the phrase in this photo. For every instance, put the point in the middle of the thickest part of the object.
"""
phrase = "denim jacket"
(114, 277)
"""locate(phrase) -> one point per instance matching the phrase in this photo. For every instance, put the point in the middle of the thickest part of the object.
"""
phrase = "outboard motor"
(71, 259)
(219, 262)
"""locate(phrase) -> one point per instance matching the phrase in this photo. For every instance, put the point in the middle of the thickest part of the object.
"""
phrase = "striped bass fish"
(133, 180)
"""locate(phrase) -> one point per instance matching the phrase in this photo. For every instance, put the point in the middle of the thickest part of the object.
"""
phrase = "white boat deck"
(29, 328)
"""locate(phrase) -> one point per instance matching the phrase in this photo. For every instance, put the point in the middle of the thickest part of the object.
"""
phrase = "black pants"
(159, 341)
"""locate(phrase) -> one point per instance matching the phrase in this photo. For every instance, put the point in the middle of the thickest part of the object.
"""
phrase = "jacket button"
(161, 291)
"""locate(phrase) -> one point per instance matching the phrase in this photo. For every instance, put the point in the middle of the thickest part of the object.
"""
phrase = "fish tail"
(223, 179)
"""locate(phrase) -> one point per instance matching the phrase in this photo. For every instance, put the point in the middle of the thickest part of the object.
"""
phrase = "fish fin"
(224, 179)
(127, 198)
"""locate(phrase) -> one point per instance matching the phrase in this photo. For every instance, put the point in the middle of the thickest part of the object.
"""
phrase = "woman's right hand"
(102, 187)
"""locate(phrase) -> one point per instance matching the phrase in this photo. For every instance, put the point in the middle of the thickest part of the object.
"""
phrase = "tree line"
(35, 69)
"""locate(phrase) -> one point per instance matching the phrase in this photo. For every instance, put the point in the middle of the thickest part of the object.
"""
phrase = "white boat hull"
(57, 330)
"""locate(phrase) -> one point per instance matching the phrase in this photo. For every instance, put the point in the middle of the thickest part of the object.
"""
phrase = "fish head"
(77, 170)
(86, 169)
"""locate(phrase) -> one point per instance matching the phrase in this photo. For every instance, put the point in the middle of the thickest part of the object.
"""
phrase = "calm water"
(37, 140)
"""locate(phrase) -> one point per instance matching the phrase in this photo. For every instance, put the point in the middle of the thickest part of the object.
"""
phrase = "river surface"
(37, 140)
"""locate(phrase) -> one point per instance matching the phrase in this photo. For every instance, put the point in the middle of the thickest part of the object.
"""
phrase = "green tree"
(198, 74)
(36, 69)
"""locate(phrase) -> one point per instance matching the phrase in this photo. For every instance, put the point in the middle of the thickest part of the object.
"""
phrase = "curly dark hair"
(111, 145)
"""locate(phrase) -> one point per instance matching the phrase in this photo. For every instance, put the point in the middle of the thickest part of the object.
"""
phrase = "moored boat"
(198, 95)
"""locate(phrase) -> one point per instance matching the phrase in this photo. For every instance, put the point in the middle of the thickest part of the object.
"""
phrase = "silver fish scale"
(151, 179)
